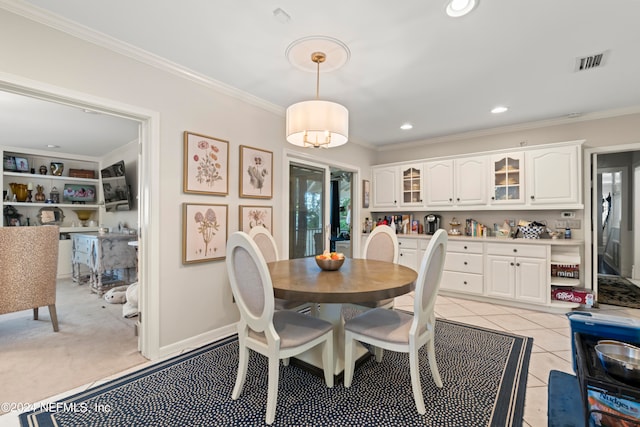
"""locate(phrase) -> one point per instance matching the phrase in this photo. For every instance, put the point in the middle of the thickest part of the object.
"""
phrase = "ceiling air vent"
(590, 62)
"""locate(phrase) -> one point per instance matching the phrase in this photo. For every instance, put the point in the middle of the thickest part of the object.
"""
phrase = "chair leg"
(327, 360)
(54, 317)
(272, 389)
(431, 354)
(349, 358)
(414, 369)
(35, 313)
(379, 352)
(243, 362)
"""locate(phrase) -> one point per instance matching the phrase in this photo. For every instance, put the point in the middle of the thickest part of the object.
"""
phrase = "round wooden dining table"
(357, 281)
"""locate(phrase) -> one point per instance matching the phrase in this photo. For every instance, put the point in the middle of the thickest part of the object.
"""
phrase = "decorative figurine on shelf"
(40, 197)
(29, 193)
(43, 170)
(57, 168)
(54, 195)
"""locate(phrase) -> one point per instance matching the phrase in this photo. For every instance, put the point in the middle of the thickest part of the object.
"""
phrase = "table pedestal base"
(332, 313)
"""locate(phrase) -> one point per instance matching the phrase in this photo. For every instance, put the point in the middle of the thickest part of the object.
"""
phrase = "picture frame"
(204, 232)
(9, 163)
(22, 164)
(366, 193)
(79, 193)
(206, 165)
(256, 173)
(255, 216)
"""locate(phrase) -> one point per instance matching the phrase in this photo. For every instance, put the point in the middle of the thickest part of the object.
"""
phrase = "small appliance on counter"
(431, 223)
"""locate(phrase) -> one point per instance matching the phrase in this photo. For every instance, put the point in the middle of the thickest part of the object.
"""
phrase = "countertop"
(552, 242)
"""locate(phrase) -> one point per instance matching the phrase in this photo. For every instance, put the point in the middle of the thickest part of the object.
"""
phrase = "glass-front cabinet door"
(411, 182)
(507, 178)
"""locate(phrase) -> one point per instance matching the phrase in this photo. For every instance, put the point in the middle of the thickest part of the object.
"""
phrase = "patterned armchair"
(28, 269)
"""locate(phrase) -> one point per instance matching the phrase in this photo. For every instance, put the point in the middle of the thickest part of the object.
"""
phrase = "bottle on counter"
(567, 233)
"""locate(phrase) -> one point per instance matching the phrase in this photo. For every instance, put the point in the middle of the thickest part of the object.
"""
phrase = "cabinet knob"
(465, 247)
(517, 264)
(515, 250)
(511, 264)
(493, 197)
(533, 197)
(450, 199)
(458, 199)
(465, 282)
(401, 254)
(465, 263)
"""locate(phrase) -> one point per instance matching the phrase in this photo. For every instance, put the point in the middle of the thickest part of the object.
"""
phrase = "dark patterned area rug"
(484, 374)
(616, 290)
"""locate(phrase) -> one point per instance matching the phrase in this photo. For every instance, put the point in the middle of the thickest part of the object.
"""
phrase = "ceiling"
(408, 62)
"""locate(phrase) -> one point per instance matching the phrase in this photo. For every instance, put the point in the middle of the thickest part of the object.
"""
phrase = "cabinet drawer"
(465, 263)
(82, 244)
(462, 282)
(466, 247)
(408, 243)
(533, 251)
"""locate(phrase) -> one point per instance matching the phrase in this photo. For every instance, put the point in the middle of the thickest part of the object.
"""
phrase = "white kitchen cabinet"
(411, 185)
(456, 182)
(553, 176)
(439, 183)
(385, 187)
(463, 267)
(471, 180)
(507, 178)
(409, 253)
(517, 272)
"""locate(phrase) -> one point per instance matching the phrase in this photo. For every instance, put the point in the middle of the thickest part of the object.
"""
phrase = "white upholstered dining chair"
(274, 334)
(267, 245)
(402, 332)
(381, 245)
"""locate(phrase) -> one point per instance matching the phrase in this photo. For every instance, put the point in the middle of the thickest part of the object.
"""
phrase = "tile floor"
(551, 340)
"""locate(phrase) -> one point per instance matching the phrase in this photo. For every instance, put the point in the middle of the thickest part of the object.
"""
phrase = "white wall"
(194, 299)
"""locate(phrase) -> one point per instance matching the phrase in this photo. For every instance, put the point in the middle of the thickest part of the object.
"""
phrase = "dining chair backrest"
(265, 242)
(382, 245)
(250, 281)
(428, 283)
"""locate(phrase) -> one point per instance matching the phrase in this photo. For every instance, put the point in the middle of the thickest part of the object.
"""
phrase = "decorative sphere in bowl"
(330, 262)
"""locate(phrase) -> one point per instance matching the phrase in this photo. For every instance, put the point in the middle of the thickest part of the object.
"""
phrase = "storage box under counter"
(110, 259)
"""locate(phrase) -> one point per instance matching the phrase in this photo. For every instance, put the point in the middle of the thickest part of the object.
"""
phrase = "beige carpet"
(94, 341)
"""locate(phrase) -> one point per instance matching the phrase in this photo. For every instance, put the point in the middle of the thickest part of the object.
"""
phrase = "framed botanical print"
(204, 232)
(256, 173)
(254, 216)
(206, 165)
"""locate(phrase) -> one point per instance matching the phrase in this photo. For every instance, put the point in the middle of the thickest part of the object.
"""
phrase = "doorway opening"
(615, 247)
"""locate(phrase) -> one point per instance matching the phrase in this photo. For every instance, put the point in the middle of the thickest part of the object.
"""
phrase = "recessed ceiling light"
(458, 8)
(499, 109)
(406, 126)
(52, 146)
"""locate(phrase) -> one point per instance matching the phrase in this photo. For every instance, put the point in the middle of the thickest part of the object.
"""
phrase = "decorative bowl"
(329, 264)
(83, 214)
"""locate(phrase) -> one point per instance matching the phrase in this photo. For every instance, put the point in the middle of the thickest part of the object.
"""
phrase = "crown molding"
(513, 128)
(82, 32)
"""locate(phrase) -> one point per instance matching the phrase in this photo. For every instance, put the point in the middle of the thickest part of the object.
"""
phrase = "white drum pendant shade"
(317, 124)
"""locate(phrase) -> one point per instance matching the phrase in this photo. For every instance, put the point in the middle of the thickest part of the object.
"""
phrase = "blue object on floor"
(565, 407)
